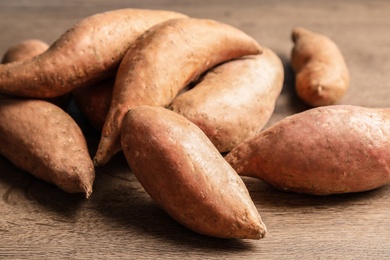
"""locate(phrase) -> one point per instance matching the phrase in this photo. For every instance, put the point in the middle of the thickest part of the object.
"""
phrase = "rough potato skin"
(234, 101)
(85, 54)
(42, 139)
(322, 76)
(324, 150)
(24, 50)
(185, 174)
(94, 102)
(163, 61)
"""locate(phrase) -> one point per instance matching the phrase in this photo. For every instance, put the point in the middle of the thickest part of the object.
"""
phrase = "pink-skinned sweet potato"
(322, 76)
(324, 150)
(85, 54)
(163, 61)
(234, 100)
(42, 139)
(184, 173)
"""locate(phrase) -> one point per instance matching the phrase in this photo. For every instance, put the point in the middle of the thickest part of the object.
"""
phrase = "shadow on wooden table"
(270, 197)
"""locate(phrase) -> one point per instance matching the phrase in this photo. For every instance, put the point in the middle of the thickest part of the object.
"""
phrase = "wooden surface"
(120, 221)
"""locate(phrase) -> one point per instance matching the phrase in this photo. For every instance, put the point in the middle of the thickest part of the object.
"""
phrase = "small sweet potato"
(234, 100)
(40, 138)
(164, 60)
(85, 54)
(185, 174)
(324, 150)
(322, 76)
(24, 50)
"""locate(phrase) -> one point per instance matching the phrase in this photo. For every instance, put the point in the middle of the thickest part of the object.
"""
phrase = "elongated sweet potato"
(26, 50)
(234, 100)
(185, 174)
(40, 138)
(94, 101)
(85, 54)
(324, 150)
(164, 60)
(322, 76)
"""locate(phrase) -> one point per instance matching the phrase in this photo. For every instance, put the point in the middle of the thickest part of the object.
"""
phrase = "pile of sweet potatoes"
(186, 100)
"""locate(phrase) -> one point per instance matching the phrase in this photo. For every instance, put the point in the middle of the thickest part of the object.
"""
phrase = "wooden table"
(120, 221)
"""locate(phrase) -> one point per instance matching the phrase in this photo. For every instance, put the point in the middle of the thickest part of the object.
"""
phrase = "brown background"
(38, 221)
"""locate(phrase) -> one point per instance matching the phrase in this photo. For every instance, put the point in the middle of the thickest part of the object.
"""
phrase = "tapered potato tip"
(253, 229)
(78, 181)
(88, 189)
(260, 232)
(88, 192)
(298, 32)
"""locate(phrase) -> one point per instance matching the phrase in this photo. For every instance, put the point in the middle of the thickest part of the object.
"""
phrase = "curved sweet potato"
(164, 60)
(185, 174)
(42, 139)
(324, 150)
(85, 54)
(322, 76)
(234, 100)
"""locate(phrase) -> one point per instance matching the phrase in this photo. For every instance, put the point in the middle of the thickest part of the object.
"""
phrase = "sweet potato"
(324, 150)
(322, 76)
(185, 174)
(87, 53)
(24, 50)
(164, 60)
(40, 138)
(28, 49)
(234, 100)
(94, 101)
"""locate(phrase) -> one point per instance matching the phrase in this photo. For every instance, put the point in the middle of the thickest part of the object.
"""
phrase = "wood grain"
(120, 221)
